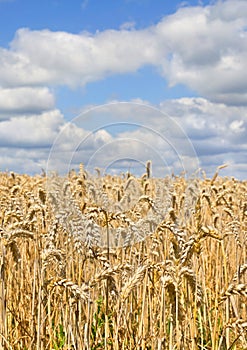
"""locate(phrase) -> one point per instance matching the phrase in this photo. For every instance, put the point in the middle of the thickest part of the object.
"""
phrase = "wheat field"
(120, 262)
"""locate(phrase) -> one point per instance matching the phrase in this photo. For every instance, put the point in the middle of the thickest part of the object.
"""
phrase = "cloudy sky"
(114, 83)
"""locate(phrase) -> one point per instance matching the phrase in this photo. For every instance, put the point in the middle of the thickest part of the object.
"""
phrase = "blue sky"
(186, 60)
(79, 15)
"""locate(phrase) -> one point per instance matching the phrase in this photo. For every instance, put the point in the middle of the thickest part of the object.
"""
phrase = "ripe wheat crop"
(120, 262)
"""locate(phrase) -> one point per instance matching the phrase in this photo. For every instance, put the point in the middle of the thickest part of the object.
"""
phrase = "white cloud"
(23, 160)
(17, 69)
(237, 126)
(48, 141)
(204, 48)
(169, 136)
(45, 57)
(208, 49)
(217, 131)
(25, 100)
(31, 131)
(128, 25)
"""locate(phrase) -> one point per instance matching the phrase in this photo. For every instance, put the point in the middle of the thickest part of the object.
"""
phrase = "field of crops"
(119, 262)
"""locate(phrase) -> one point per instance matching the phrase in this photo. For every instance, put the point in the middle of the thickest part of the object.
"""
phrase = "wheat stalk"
(133, 282)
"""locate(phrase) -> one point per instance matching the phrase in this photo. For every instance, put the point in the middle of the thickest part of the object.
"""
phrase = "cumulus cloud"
(217, 131)
(202, 119)
(204, 48)
(29, 161)
(31, 131)
(74, 59)
(31, 142)
(209, 49)
(25, 100)
(178, 135)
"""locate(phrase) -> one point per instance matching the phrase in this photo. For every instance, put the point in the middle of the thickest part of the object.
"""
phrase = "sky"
(112, 84)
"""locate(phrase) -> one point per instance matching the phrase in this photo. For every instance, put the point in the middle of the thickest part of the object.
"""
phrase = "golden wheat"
(119, 262)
